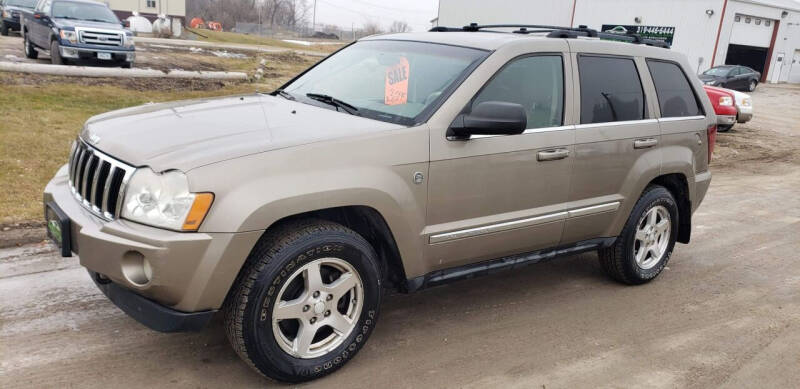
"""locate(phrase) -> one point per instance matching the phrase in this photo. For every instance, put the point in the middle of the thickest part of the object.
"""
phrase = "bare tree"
(371, 28)
(399, 26)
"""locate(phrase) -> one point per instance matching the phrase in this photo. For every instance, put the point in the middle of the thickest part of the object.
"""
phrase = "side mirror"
(490, 118)
(126, 23)
(38, 15)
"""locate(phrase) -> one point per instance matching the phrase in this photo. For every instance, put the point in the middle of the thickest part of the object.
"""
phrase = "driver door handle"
(644, 143)
(552, 155)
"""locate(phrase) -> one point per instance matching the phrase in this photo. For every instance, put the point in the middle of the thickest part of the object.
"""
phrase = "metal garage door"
(750, 41)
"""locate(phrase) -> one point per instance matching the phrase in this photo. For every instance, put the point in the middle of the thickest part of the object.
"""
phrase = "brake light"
(712, 140)
(725, 101)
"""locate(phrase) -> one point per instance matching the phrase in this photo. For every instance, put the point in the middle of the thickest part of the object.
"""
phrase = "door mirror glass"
(490, 118)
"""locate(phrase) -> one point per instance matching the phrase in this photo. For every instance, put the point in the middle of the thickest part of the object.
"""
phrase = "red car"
(722, 100)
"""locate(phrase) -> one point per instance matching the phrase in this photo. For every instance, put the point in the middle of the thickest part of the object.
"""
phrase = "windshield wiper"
(286, 95)
(327, 99)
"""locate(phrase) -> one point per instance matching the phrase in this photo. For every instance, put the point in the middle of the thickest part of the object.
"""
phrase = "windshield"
(21, 3)
(722, 72)
(392, 81)
(83, 11)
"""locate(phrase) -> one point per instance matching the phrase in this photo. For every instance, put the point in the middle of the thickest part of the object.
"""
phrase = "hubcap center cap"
(319, 307)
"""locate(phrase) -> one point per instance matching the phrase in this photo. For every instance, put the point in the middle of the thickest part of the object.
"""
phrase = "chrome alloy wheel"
(652, 237)
(317, 308)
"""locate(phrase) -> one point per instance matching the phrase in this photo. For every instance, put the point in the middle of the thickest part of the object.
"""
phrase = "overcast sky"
(344, 13)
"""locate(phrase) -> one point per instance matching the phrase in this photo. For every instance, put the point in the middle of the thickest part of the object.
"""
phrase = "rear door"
(616, 143)
(491, 196)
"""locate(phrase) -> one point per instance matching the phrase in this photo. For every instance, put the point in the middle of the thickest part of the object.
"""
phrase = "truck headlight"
(69, 36)
(127, 41)
(164, 200)
(726, 101)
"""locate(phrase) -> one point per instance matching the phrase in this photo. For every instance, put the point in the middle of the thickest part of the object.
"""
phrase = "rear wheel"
(55, 53)
(3, 29)
(306, 301)
(752, 86)
(30, 51)
(645, 245)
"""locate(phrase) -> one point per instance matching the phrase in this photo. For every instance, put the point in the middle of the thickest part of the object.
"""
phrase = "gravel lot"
(725, 313)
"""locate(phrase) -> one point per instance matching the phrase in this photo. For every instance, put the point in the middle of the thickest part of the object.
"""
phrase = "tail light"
(712, 139)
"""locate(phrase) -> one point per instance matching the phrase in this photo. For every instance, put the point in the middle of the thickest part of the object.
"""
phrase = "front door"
(491, 196)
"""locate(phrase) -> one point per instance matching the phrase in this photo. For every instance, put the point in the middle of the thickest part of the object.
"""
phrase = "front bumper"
(190, 272)
(12, 23)
(726, 120)
(744, 115)
(90, 53)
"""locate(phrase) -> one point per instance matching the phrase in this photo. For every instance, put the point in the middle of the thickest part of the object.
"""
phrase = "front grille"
(97, 180)
(101, 38)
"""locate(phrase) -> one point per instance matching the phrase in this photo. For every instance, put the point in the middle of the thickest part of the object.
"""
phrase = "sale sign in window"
(396, 90)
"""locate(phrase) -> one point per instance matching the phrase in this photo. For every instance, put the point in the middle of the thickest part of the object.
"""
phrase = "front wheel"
(55, 53)
(3, 29)
(645, 245)
(306, 301)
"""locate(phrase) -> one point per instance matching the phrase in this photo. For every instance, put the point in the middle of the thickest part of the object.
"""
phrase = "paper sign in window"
(396, 90)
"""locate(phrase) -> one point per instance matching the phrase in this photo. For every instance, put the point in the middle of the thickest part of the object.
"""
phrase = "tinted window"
(675, 95)
(610, 90)
(536, 83)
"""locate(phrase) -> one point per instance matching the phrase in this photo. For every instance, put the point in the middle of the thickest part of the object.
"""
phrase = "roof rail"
(557, 32)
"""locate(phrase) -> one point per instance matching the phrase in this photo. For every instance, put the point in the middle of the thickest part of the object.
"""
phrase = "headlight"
(128, 41)
(164, 200)
(746, 102)
(6, 14)
(70, 36)
(726, 101)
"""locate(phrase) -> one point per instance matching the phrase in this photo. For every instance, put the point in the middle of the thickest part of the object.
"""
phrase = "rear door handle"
(552, 155)
(644, 143)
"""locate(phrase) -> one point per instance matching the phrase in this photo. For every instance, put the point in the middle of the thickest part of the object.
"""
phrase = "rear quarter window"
(675, 95)
(611, 90)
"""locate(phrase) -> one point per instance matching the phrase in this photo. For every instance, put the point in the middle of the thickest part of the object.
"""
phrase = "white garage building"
(761, 34)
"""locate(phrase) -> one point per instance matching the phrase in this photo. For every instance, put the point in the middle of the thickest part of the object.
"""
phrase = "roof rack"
(557, 32)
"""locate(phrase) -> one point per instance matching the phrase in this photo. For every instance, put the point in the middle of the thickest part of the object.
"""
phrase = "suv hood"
(187, 134)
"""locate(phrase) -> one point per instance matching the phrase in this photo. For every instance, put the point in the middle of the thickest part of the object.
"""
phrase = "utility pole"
(314, 22)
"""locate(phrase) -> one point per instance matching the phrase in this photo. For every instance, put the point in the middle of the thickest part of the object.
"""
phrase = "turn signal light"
(200, 207)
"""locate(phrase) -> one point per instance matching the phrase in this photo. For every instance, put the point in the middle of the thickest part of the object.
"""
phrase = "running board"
(445, 276)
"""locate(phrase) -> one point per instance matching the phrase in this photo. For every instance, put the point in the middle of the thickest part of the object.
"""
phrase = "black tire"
(724, 128)
(752, 85)
(127, 65)
(55, 53)
(30, 50)
(270, 265)
(3, 29)
(618, 261)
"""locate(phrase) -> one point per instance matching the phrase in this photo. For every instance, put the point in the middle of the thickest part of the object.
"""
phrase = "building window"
(151, 4)
(758, 22)
(767, 23)
(747, 20)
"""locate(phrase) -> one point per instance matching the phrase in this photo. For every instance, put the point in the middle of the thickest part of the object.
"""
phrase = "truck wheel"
(30, 51)
(305, 302)
(645, 245)
(55, 54)
(127, 65)
(3, 29)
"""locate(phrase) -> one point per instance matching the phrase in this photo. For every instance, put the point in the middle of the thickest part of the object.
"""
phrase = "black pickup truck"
(9, 14)
(77, 31)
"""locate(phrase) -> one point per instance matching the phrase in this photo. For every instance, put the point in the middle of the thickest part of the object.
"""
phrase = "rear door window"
(610, 89)
(536, 83)
(675, 95)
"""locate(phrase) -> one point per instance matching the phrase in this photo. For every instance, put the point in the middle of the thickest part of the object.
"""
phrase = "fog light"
(130, 57)
(67, 52)
(136, 268)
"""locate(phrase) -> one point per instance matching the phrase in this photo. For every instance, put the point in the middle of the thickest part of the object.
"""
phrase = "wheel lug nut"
(329, 298)
(316, 294)
(313, 320)
(306, 308)
(327, 313)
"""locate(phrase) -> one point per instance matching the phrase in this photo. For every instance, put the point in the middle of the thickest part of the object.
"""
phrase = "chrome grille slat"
(101, 38)
(94, 189)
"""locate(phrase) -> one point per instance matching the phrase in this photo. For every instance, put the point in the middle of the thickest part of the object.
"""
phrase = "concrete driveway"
(725, 313)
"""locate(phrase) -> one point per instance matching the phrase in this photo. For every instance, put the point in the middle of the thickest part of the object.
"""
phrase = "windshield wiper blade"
(349, 108)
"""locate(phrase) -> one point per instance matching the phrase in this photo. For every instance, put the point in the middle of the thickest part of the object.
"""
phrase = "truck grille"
(97, 180)
(100, 38)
